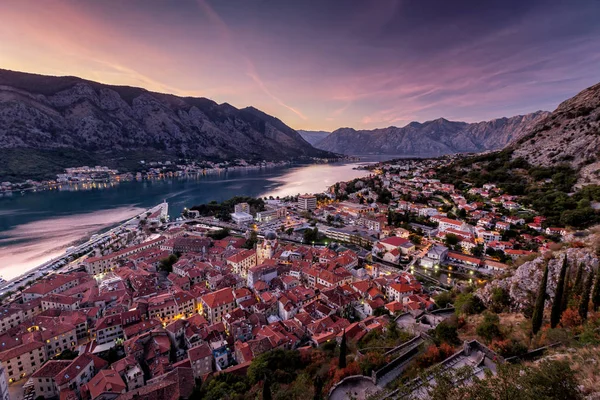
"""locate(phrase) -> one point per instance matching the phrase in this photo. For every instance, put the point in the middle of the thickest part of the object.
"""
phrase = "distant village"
(99, 177)
(162, 303)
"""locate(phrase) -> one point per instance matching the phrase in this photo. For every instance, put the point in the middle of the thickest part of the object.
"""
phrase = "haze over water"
(36, 227)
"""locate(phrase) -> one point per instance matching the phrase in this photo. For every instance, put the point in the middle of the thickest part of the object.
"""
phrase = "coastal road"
(59, 264)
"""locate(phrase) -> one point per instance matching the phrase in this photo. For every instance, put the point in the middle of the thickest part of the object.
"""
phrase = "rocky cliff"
(570, 134)
(43, 115)
(432, 138)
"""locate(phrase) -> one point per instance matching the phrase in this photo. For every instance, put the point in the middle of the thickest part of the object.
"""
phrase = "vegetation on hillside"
(224, 209)
(547, 190)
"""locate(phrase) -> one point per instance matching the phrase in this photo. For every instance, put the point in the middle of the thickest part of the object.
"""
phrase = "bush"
(446, 332)
(489, 328)
(468, 303)
(443, 299)
(500, 300)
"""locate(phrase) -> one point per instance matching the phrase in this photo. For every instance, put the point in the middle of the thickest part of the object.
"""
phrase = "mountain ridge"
(568, 135)
(100, 122)
(431, 138)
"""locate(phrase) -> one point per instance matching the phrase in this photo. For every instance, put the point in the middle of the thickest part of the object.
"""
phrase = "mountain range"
(48, 123)
(431, 138)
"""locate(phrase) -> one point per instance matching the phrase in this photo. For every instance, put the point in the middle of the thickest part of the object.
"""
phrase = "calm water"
(38, 226)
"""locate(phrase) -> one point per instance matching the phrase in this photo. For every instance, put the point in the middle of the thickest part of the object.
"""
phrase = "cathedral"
(266, 249)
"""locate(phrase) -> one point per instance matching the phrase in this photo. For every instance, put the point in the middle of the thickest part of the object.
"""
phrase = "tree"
(468, 303)
(443, 300)
(548, 380)
(538, 311)
(451, 240)
(311, 235)
(219, 234)
(251, 241)
(477, 250)
(166, 264)
(500, 299)
(318, 386)
(564, 302)
(578, 285)
(415, 239)
(489, 328)
(446, 332)
(266, 393)
(596, 294)
(560, 287)
(343, 350)
(585, 297)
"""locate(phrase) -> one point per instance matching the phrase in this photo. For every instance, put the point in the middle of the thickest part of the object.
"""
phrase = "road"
(63, 262)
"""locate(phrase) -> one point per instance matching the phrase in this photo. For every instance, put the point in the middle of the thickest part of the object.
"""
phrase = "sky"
(320, 65)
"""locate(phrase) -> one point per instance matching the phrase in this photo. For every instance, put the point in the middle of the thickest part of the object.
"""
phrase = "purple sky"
(321, 64)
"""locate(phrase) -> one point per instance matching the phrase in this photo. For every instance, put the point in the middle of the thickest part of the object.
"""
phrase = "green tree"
(318, 386)
(548, 380)
(578, 285)
(343, 351)
(564, 302)
(415, 239)
(500, 299)
(451, 240)
(219, 234)
(443, 300)
(166, 264)
(266, 392)
(285, 362)
(251, 241)
(311, 235)
(489, 328)
(446, 332)
(477, 250)
(560, 286)
(596, 294)
(468, 303)
(538, 311)
(585, 297)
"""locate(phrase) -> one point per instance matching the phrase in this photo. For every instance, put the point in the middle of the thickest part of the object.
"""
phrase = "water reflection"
(35, 227)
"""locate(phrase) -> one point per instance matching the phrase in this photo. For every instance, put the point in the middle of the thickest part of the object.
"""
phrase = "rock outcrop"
(570, 134)
(523, 284)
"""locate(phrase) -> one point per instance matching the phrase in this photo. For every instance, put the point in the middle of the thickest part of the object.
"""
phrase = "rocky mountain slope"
(432, 138)
(570, 134)
(43, 115)
(313, 137)
(523, 283)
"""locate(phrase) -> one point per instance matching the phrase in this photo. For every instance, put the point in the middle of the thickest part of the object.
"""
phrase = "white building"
(307, 202)
(242, 208)
(241, 218)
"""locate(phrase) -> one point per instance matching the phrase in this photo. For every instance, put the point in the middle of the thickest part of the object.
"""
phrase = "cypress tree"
(566, 292)
(578, 285)
(585, 297)
(343, 350)
(557, 304)
(538, 311)
(266, 392)
(596, 293)
(318, 385)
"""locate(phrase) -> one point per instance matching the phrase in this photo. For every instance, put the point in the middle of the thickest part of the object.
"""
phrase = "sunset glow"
(322, 65)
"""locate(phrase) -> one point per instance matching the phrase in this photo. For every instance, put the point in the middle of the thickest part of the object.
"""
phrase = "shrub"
(489, 328)
(468, 303)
